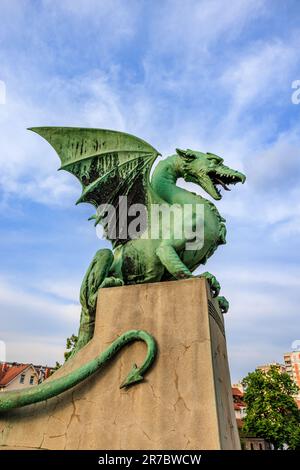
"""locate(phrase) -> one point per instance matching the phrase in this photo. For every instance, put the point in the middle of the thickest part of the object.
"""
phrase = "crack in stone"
(5, 431)
(148, 437)
(56, 417)
(43, 438)
(152, 390)
(180, 397)
(11, 447)
(74, 414)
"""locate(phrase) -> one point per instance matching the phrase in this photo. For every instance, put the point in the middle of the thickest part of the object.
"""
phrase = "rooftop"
(236, 392)
(6, 376)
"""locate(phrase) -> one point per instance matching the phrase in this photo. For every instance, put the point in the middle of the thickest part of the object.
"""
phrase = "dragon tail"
(49, 389)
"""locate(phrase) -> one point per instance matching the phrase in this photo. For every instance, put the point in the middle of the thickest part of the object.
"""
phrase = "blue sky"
(210, 75)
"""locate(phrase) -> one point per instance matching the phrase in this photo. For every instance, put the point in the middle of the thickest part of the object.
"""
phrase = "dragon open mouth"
(223, 177)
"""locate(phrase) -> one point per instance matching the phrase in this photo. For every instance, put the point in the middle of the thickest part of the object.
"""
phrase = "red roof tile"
(11, 373)
(238, 406)
(236, 392)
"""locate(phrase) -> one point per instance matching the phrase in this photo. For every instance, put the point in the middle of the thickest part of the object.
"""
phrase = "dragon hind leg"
(91, 283)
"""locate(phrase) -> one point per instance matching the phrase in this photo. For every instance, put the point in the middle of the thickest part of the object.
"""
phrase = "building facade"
(239, 405)
(14, 376)
(292, 364)
(255, 443)
(266, 367)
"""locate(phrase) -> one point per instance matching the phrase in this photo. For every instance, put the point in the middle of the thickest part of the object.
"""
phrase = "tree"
(70, 346)
(272, 412)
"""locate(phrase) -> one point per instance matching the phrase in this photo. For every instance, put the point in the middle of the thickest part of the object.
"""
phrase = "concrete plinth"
(185, 401)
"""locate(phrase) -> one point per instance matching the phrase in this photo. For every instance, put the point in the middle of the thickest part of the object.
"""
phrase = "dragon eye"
(214, 158)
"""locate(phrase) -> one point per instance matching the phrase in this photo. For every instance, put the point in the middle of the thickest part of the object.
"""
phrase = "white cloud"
(114, 18)
(258, 74)
(185, 39)
(261, 326)
(35, 326)
(28, 164)
(13, 296)
(288, 229)
(67, 289)
(36, 349)
(263, 275)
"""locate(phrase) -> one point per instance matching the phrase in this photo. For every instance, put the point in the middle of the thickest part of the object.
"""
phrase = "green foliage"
(272, 412)
(71, 344)
(56, 367)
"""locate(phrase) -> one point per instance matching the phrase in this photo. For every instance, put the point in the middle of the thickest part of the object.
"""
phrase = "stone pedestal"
(185, 401)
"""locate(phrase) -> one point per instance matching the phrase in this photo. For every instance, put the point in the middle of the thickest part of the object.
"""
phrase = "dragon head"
(207, 170)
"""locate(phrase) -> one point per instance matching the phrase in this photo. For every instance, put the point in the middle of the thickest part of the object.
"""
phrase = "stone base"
(185, 401)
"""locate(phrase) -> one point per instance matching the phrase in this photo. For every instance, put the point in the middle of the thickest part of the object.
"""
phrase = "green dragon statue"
(112, 166)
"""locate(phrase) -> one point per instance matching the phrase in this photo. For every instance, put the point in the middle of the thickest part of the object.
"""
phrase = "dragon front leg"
(223, 304)
(171, 261)
(213, 283)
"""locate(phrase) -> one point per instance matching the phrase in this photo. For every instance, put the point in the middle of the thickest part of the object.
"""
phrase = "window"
(251, 446)
(260, 446)
(22, 378)
(31, 380)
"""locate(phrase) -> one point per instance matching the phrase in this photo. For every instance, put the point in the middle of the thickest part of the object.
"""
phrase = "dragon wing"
(108, 164)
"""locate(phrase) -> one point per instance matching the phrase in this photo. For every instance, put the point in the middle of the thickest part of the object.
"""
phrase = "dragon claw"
(112, 282)
(133, 377)
(213, 283)
(223, 304)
